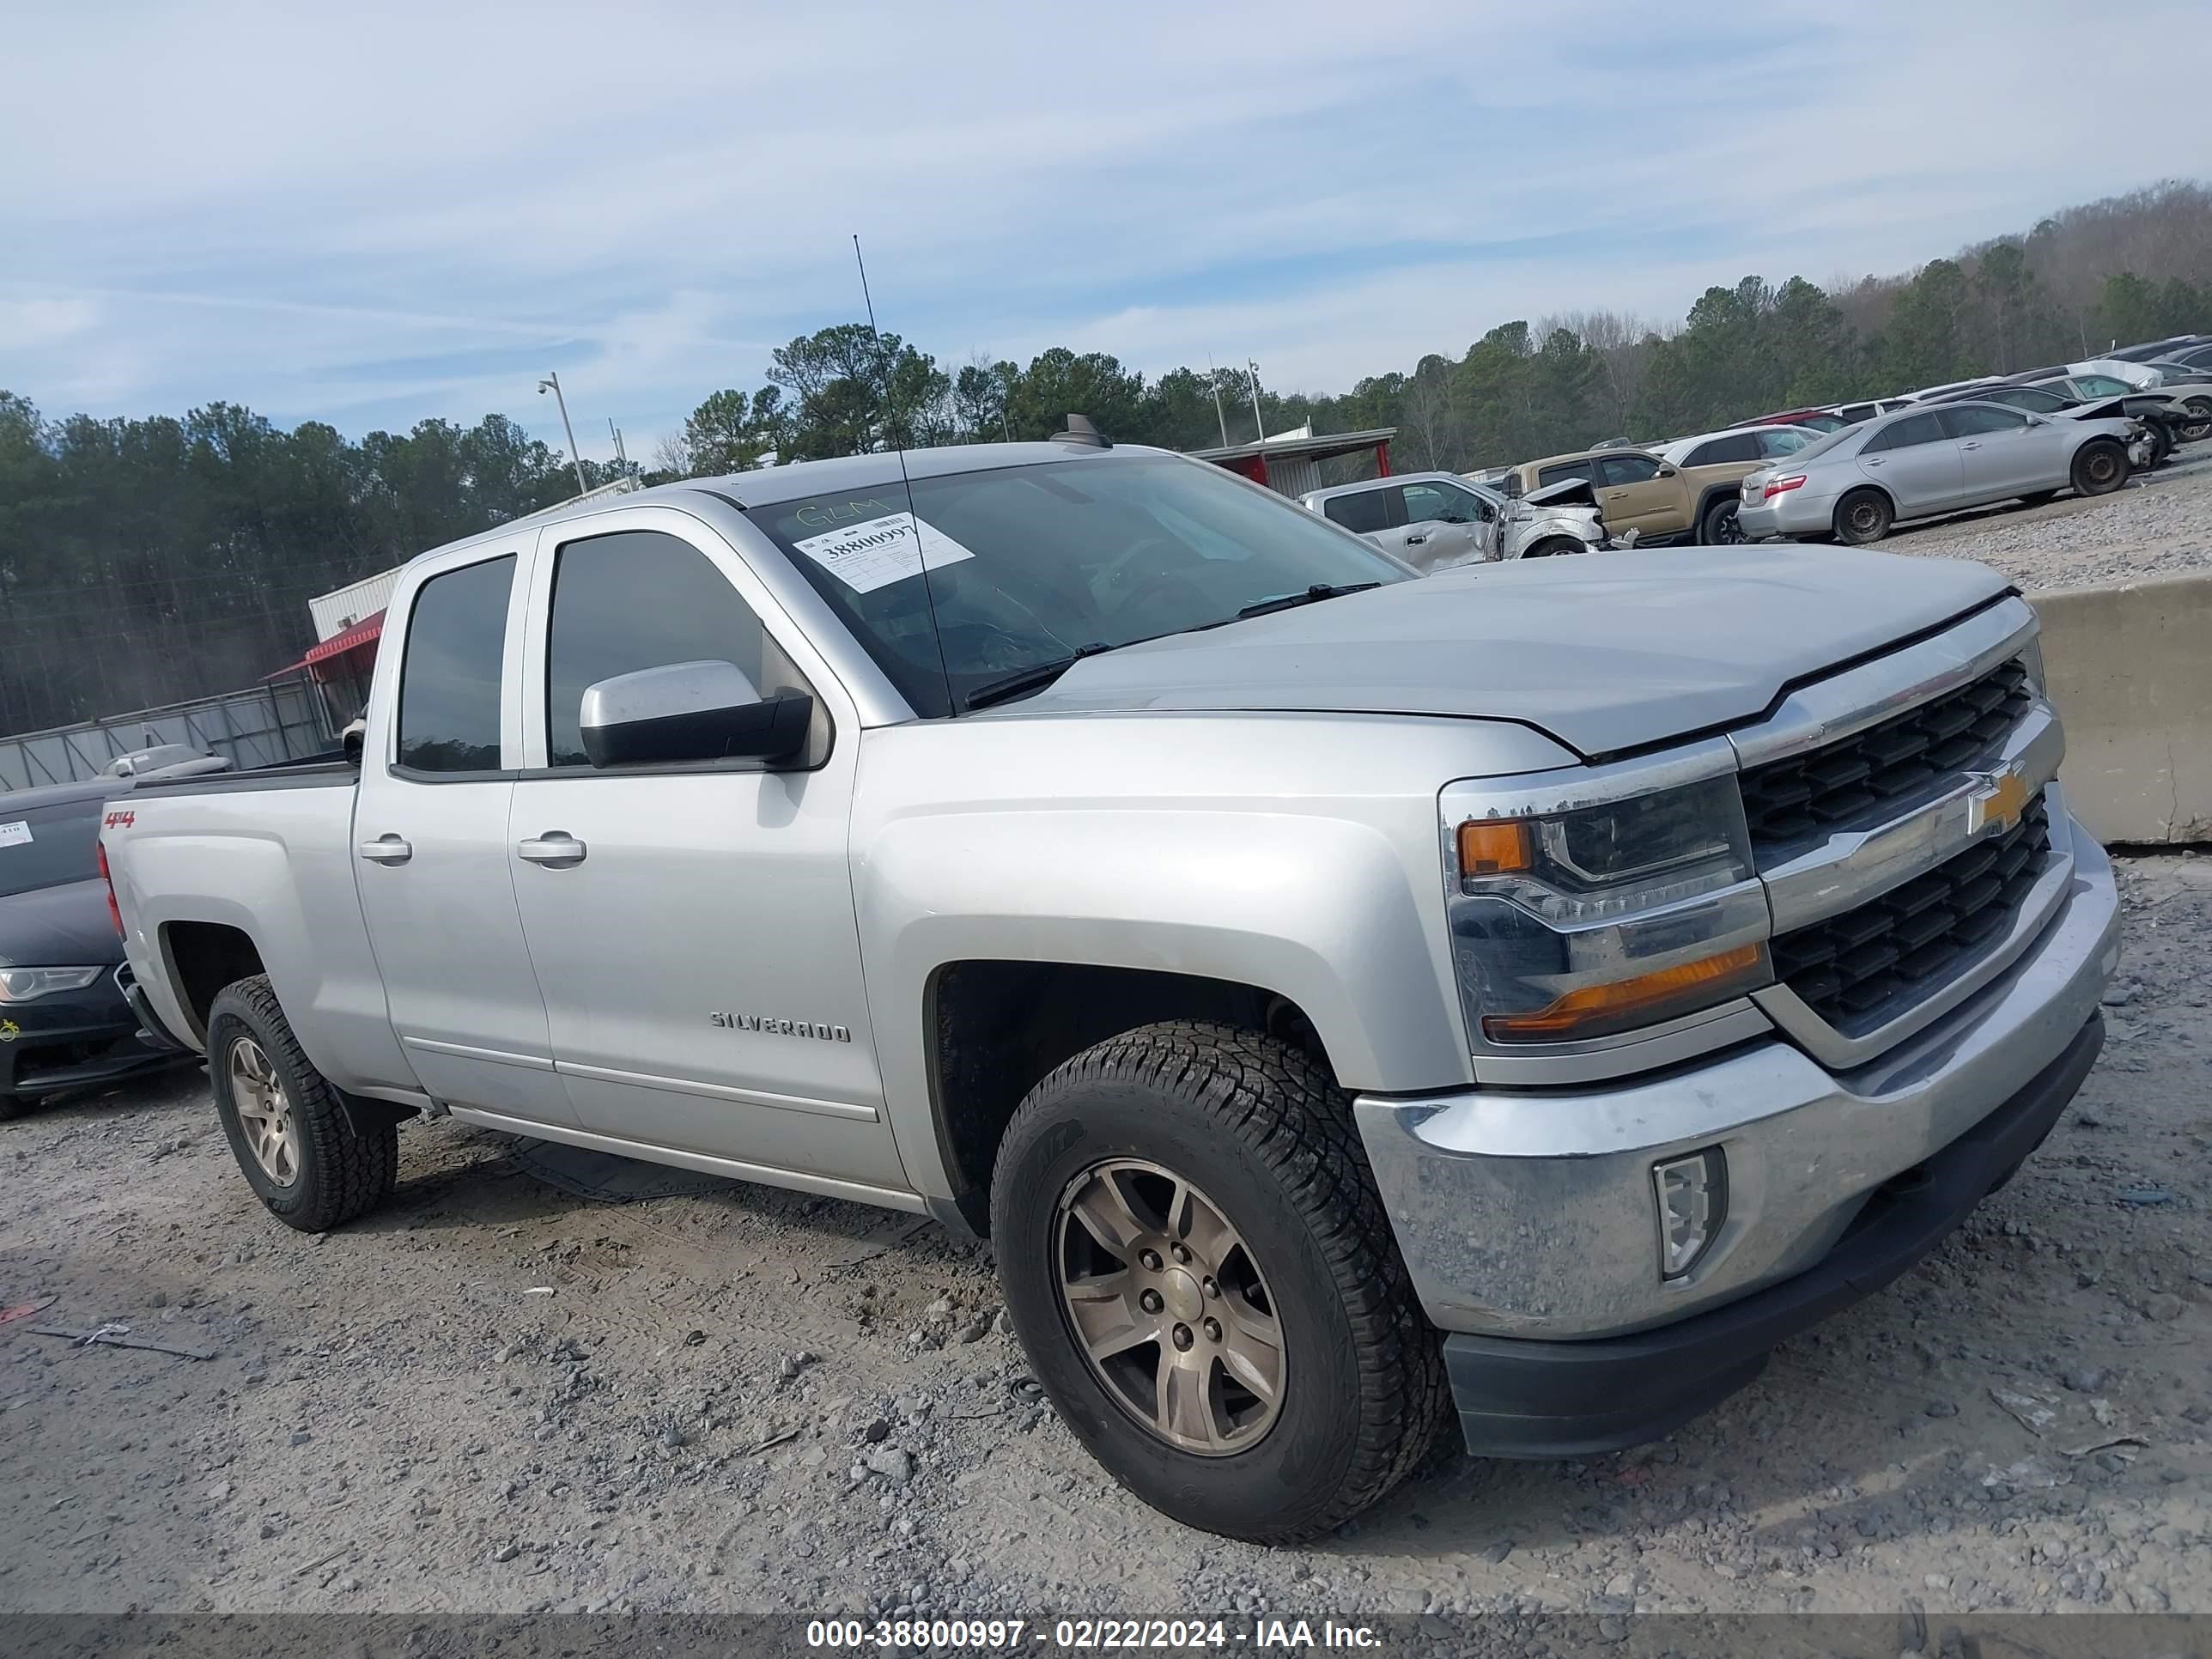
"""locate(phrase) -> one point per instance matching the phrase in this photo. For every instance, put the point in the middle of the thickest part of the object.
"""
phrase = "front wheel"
(1197, 1262)
(2200, 421)
(1556, 547)
(1720, 527)
(293, 1137)
(2100, 466)
(1863, 516)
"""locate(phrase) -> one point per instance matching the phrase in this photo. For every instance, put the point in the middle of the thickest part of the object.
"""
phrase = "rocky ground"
(2160, 524)
(500, 1396)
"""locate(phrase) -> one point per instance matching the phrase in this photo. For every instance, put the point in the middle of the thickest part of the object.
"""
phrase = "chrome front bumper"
(1530, 1213)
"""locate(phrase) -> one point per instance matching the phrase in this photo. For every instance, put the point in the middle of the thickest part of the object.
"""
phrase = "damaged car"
(1435, 519)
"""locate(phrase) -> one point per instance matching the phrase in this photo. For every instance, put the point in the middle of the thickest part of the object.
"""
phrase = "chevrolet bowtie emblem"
(2001, 803)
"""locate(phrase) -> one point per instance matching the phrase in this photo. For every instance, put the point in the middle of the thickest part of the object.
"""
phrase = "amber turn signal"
(1492, 847)
(1595, 1010)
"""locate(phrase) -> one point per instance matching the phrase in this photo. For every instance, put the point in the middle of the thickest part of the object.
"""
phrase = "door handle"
(1971, 445)
(557, 849)
(386, 849)
(1415, 541)
(1871, 461)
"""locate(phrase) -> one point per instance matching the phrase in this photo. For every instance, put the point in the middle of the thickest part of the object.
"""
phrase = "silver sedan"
(1854, 484)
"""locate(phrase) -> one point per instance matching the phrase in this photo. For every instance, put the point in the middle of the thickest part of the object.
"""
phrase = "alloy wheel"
(264, 1112)
(1170, 1307)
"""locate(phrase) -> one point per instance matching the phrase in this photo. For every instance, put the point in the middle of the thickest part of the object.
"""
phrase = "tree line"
(148, 561)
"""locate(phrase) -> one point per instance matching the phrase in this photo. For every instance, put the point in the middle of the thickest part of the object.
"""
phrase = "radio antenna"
(898, 445)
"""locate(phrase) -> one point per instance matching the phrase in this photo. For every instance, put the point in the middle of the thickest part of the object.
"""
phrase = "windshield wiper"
(1313, 595)
(1035, 678)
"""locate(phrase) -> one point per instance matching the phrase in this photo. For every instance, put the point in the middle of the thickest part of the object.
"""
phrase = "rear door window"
(1546, 476)
(1907, 434)
(1363, 513)
(1736, 446)
(450, 691)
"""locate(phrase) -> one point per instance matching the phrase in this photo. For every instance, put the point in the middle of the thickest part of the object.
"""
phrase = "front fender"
(1296, 854)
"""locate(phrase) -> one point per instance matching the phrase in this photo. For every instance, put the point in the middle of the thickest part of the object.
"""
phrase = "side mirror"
(1667, 469)
(690, 711)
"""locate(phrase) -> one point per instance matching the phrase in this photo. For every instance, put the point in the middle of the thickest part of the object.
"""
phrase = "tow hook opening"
(1691, 1193)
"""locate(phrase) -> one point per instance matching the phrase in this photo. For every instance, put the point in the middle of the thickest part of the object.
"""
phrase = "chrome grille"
(1801, 795)
(1851, 969)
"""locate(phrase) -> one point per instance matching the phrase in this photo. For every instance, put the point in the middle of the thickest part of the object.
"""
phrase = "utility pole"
(552, 383)
(1214, 374)
(1256, 421)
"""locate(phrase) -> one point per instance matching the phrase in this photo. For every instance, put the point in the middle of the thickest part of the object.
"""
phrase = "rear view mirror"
(690, 711)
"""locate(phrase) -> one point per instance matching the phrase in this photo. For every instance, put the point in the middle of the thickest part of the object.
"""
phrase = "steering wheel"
(1149, 586)
(972, 647)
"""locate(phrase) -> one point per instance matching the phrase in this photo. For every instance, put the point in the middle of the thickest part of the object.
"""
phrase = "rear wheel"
(1863, 516)
(1197, 1262)
(2100, 466)
(2199, 425)
(287, 1127)
(1719, 526)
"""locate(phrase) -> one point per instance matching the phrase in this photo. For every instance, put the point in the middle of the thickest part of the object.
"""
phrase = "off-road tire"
(343, 1173)
(2100, 466)
(1863, 517)
(1264, 1131)
(1713, 525)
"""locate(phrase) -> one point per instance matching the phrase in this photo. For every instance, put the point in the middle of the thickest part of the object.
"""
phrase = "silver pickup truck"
(1345, 998)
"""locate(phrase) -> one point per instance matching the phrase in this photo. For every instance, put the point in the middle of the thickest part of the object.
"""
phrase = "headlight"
(22, 984)
(1621, 907)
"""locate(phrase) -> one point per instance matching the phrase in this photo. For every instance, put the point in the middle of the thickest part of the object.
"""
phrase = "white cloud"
(372, 216)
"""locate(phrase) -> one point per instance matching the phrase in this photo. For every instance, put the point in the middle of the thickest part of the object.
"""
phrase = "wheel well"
(1714, 493)
(1889, 500)
(1000, 1028)
(204, 956)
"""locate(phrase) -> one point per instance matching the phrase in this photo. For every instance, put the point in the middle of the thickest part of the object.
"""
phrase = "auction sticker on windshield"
(17, 833)
(880, 551)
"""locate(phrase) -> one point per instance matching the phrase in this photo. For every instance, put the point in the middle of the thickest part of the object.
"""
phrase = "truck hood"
(1604, 652)
(64, 926)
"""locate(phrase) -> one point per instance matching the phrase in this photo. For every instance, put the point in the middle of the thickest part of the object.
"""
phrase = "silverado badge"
(2001, 802)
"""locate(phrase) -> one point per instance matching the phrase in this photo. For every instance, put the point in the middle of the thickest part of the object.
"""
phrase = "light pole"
(1256, 421)
(1214, 374)
(552, 383)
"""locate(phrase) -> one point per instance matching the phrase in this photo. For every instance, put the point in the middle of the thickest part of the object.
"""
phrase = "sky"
(369, 215)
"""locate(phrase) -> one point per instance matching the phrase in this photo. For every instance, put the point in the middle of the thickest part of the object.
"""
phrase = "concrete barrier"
(2130, 670)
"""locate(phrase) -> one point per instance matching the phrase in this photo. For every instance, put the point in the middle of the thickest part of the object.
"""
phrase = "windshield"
(1031, 564)
(46, 845)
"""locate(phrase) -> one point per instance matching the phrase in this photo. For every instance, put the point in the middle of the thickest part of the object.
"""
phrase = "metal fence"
(257, 726)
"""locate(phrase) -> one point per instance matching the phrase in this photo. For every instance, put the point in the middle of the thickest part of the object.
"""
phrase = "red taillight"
(114, 911)
(1782, 486)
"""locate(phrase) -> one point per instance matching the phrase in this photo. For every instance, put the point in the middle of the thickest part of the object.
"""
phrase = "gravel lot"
(2161, 523)
(499, 1396)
